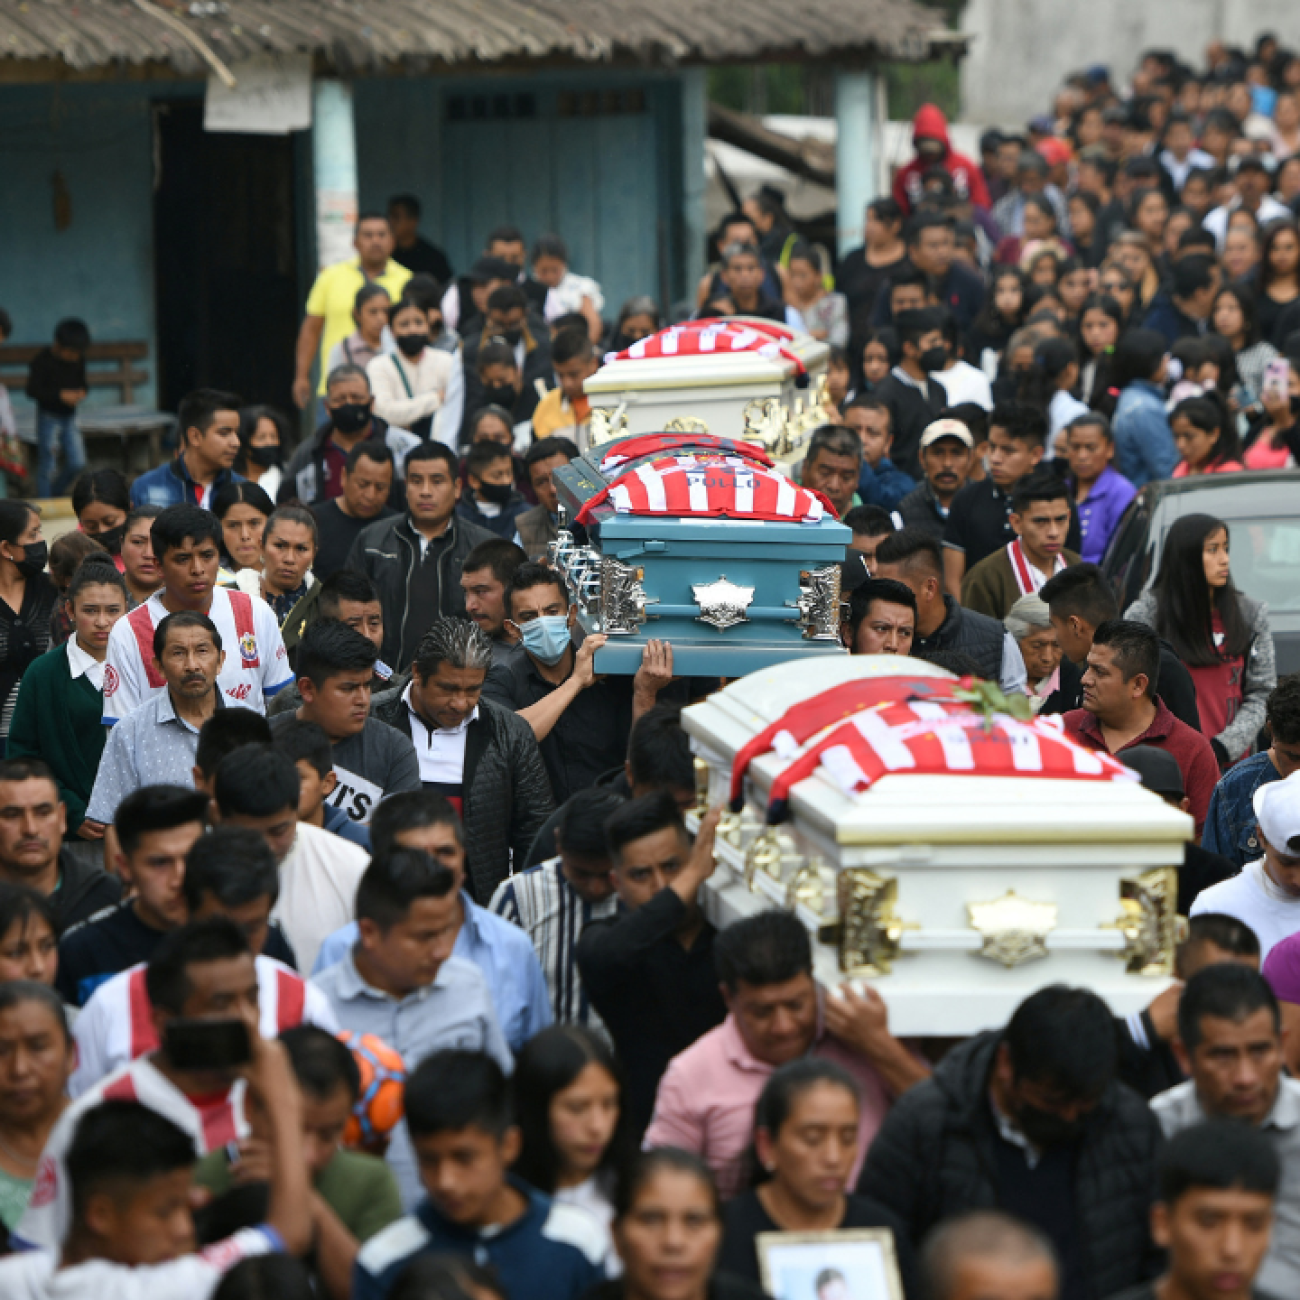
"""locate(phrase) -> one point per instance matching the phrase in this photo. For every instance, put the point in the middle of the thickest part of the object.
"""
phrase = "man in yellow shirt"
(329, 305)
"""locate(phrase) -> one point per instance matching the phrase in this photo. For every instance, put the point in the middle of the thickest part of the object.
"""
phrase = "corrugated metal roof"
(355, 35)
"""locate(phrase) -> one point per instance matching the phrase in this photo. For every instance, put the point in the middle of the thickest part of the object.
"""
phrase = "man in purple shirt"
(1101, 492)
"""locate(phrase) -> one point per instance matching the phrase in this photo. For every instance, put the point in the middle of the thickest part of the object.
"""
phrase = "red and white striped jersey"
(116, 1024)
(711, 486)
(210, 1121)
(704, 337)
(932, 737)
(256, 665)
(647, 444)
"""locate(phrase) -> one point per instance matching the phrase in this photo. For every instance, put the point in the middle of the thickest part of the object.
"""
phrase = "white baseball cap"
(1277, 809)
(948, 428)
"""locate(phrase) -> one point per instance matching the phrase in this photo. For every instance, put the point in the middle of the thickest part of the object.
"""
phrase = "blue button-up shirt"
(1230, 823)
(1144, 443)
(503, 955)
(455, 1011)
(151, 746)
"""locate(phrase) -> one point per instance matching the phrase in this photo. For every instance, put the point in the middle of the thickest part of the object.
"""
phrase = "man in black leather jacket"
(481, 756)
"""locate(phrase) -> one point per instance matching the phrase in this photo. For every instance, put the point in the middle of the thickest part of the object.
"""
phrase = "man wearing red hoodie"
(930, 140)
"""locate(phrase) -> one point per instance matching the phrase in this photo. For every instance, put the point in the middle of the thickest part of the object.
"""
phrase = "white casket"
(772, 393)
(955, 894)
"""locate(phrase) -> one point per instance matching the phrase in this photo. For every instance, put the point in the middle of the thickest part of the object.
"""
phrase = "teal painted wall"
(98, 140)
(533, 154)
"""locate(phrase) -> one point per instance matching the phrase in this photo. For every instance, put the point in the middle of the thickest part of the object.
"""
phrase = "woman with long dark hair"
(1217, 631)
(1278, 274)
(243, 509)
(1206, 436)
(1003, 314)
(1235, 318)
(572, 1114)
(667, 1229)
(805, 1143)
(33, 1098)
(264, 443)
(27, 601)
(101, 502)
(1101, 322)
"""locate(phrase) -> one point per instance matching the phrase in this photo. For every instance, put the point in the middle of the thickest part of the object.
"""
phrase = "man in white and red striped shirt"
(203, 971)
(187, 542)
(229, 872)
(130, 1233)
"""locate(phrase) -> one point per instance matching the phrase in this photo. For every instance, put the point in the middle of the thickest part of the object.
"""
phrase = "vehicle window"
(1266, 560)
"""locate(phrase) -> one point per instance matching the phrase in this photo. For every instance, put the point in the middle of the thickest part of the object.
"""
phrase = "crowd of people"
(310, 791)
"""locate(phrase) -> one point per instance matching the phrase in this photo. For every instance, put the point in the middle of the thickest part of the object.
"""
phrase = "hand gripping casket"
(701, 542)
(954, 855)
(738, 377)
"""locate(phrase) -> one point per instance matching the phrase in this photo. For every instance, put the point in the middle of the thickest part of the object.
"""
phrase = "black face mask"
(411, 345)
(34, 559)
(933, 359)
(501, 395)
(111, 539)
(497, 493)
(351, 417)
(264, 456)
(513, 337)
(1045, 1129)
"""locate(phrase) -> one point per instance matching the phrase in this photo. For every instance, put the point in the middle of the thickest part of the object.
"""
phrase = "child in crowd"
(565, 411)
(492, 501)
(57, 382)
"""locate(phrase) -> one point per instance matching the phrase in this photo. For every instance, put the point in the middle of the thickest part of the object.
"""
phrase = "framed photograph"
(853, 1264)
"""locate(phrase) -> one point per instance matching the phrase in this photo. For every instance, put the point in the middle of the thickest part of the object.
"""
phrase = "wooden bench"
(108, 365)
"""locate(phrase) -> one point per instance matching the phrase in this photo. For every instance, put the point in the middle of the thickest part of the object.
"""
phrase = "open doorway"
(225, 259)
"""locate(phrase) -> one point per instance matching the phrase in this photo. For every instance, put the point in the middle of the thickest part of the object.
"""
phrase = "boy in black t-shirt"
(156, 827)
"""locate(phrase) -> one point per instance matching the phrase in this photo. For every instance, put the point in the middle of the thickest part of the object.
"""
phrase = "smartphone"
(207, 1044)
(1277, 377)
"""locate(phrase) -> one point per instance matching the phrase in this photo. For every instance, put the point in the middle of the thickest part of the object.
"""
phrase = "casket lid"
(716, 369)
(931, 809)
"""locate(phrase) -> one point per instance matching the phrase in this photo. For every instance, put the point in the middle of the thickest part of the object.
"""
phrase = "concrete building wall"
(1022, 49)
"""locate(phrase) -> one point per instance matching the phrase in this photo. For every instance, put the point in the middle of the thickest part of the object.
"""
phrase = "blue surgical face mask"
(547, 638)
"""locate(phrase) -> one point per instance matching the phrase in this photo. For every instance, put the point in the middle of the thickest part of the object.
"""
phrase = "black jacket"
(537, 367)
(910, 411)
(507, 796)
(934, 1157)
(84, 886)
(304, 475)
(386, 552)
(972, 633)
(722, 1286)
(919, 509)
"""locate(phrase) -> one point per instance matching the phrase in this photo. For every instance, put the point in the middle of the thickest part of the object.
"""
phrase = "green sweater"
(60, 721)
(359, 1188)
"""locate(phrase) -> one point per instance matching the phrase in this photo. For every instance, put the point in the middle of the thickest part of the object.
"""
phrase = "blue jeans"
(50, 427)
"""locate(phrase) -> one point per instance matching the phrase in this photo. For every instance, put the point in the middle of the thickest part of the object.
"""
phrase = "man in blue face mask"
(581, 721)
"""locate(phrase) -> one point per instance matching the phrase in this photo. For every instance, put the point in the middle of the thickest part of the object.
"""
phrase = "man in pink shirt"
(775, 1014)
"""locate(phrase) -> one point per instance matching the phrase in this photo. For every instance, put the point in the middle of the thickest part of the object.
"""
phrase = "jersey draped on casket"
(956, 855)
(732, 378)
(701, 542)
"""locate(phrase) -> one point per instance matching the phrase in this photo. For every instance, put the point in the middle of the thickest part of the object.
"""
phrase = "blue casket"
(680, 543)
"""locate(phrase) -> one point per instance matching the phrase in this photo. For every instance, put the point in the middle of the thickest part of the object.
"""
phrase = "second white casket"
(955, 893)
(769, 390)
